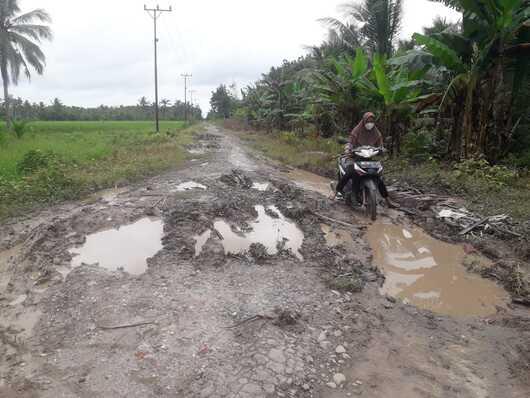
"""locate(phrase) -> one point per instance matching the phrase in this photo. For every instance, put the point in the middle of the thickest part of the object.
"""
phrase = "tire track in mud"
(230, 325)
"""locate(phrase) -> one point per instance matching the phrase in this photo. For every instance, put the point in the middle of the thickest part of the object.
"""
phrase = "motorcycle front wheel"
(370, 202)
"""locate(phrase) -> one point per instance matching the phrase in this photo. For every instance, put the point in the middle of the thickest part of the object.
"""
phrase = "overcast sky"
(102, 52)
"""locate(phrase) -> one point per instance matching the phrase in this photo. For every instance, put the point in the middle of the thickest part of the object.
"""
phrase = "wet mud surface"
(223, 280)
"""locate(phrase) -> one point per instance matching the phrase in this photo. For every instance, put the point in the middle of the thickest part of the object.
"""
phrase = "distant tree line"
(144, 110)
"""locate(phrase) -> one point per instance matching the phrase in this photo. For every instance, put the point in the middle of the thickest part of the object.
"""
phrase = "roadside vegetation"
(452, 101)
(46, 162)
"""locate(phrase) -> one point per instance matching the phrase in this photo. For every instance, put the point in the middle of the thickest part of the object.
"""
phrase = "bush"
(480, 169)
(20, 128)
(289, 137)
(418, 145)
(35, 160)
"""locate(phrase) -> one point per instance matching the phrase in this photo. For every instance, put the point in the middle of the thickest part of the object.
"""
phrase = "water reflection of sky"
(429, 273)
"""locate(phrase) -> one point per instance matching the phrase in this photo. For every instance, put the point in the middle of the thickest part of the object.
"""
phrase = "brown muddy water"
(127, 247)
(310, 181)
(271, 229)
(429, 273)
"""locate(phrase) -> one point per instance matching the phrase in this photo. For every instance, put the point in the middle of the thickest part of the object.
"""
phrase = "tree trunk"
(5, 81)
(468, 116)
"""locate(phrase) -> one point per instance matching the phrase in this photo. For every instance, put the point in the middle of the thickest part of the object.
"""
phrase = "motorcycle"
(370, 172)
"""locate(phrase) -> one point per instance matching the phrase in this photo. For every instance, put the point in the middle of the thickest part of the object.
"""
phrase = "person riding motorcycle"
(365, 133)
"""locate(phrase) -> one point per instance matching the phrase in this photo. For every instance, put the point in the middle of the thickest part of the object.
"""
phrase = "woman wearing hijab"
(365, 133)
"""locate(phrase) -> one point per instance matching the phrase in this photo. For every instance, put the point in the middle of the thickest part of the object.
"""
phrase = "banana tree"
(396, 90)
(487, 62)
(337, 88)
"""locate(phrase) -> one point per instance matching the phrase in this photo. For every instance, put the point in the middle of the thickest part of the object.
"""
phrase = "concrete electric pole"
(186, 77)
(155, 13)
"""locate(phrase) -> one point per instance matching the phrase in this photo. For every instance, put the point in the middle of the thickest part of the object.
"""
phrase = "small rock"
(337, 333)
(322, 336)
(325, 345)
(339, 378)
(306, 387)
(331, 385)
(340, 349)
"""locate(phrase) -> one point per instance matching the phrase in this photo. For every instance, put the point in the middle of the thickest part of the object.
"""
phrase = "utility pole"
(186, 77)
(191, 101)
(156, 12)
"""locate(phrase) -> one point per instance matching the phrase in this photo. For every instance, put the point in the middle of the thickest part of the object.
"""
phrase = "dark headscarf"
(360, 136)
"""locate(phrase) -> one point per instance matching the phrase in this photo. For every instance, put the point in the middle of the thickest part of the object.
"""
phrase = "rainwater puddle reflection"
(128, 246)
(260, 186)
(186, 186)
(430, 273)
(271, 229)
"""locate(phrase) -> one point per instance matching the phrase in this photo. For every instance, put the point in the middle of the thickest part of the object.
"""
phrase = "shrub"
(480, 169)
(418, 145)
(35, 160)
(20, 128)
(289, 137)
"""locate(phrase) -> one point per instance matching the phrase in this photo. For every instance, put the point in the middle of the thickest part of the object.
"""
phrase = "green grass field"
(86, 156)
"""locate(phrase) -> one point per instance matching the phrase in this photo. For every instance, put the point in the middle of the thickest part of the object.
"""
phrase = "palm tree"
(164, 102)
(20, 37)
(374, 23)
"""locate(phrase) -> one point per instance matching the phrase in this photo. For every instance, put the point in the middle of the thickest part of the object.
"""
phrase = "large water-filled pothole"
(430, 273)
(310, 181)
(127, 247)
(271, 229)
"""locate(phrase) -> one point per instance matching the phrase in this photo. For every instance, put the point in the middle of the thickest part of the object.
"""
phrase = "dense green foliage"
(62, 160)
(144, 110)
(20, 36)
(457, 91)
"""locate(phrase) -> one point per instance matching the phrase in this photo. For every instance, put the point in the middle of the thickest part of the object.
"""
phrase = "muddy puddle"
(187, 186)
(271, 229)
(127, 247)
(260, 186)
(310, 181)
(429, 273)
(336, 236)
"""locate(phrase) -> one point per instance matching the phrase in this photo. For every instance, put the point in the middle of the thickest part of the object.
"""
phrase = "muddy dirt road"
(206, 282)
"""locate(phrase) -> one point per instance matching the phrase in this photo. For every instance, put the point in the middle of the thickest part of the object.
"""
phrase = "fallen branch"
(251, 319)
(343, 223)
(132, 325)
(158, 201)
(506, 231)
(216, 232)
(473, 226)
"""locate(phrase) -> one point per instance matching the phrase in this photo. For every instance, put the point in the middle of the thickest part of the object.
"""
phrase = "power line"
(186, 76)
(156, 12)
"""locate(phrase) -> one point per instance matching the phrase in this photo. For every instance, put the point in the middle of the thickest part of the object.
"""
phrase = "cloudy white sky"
(102, 52)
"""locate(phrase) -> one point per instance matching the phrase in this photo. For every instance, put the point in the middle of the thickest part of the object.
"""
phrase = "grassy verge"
(55, 161)
(488, 191)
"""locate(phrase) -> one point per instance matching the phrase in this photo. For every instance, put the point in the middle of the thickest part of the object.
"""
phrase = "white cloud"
(103, 50)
